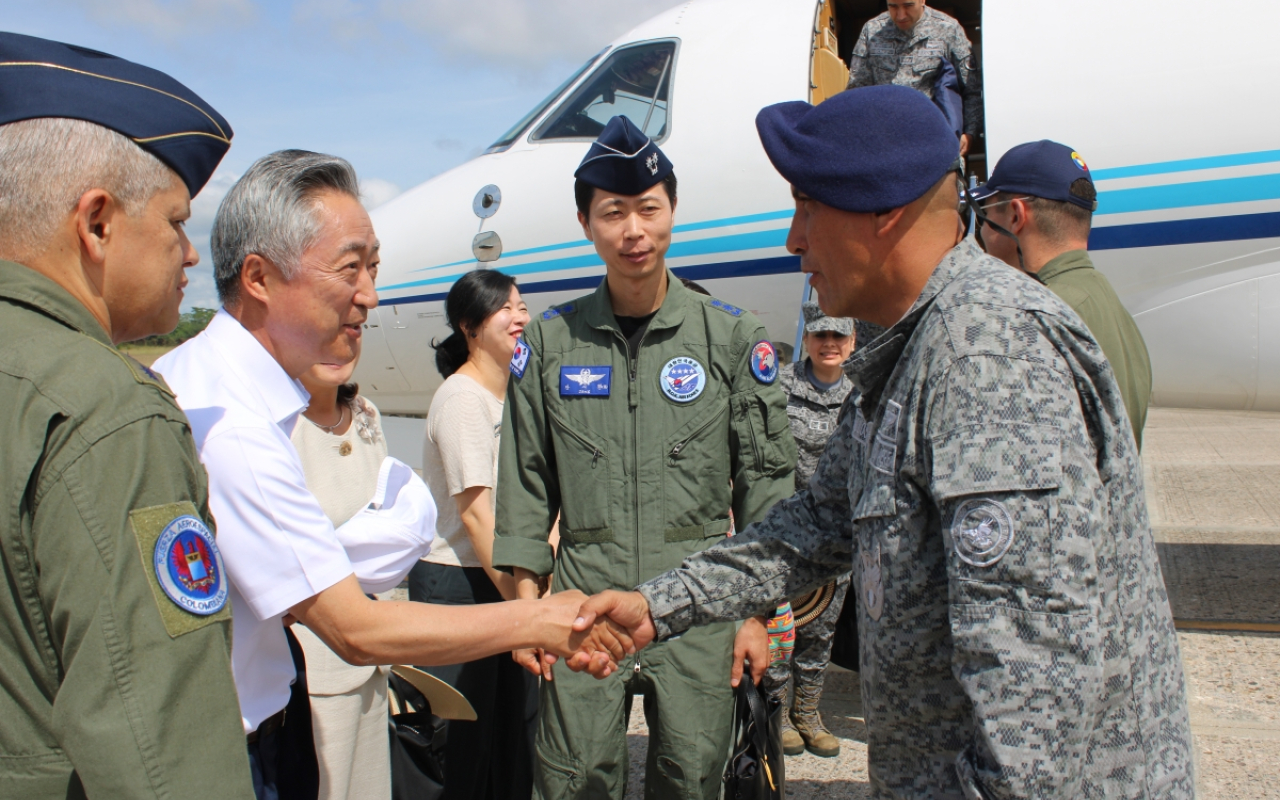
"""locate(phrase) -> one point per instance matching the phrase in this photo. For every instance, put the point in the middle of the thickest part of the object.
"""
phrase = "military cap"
(1040, 169)
(623, 160)
(42, 78)
(865, 150)
(815, 321)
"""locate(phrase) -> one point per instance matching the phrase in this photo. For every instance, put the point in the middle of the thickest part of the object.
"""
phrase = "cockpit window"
(511, 135)
(634, 81)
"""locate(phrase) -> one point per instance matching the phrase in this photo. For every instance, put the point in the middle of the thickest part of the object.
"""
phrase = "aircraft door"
(377, 371)
(828, 75)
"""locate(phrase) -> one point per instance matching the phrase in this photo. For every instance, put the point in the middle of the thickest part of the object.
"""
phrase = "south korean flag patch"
(520, 358)
(764, 362)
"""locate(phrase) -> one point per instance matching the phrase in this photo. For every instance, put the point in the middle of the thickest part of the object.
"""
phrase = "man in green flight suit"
(642, 414)
(115, 633)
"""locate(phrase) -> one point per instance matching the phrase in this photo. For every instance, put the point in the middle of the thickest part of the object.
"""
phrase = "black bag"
(755, 769)
(844, 644)
(417, 744)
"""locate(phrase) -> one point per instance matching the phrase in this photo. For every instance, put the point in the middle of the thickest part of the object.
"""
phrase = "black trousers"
(491, 758)
(283, 762)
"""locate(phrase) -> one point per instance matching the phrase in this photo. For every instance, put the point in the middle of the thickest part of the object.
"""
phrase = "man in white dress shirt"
(295, 258)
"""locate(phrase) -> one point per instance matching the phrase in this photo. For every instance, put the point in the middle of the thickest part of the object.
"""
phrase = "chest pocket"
(927, 60)
(582, 464)
(696, 478)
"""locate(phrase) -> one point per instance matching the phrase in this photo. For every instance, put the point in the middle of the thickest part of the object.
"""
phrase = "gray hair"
(272, 212)
(48, 163)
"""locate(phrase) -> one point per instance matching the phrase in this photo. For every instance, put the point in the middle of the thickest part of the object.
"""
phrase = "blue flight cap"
(42, 78)
(623, 160)
(1039, 169)
(864, 150)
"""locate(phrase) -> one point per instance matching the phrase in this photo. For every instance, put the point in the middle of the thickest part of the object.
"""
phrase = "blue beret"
(41, 78)
(1041, 169)
(863, 150)
(623, 160)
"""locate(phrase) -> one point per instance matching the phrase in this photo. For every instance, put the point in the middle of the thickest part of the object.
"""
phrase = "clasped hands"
(610, 626)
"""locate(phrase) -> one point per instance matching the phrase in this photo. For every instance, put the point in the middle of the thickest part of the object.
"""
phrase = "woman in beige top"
(491, 758)
(340, 443)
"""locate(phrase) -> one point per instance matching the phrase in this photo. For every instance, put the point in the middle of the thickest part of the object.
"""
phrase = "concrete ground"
(1213, 490)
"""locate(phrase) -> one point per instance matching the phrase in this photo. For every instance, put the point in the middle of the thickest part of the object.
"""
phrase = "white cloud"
(170, 20)
(376, 191)
(529, 34)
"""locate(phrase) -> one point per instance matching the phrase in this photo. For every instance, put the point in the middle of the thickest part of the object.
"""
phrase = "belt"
(269, 726)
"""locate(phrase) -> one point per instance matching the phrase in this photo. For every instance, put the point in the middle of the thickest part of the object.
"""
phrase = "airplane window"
(635, 82)
(511, 135)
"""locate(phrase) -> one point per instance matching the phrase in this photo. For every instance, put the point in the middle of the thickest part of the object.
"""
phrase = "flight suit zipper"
(634, 364)
(755, 444)
(680, 445)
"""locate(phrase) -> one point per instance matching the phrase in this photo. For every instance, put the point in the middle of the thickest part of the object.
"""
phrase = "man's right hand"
(628, 610)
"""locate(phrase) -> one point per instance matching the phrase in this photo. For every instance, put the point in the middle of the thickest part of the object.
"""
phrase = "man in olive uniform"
(115, 632)
(1037, 213)
(1016, 636)
(642, 414)
(816, 388)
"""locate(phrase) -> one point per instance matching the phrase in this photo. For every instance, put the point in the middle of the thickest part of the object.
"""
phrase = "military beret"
(1040, 169)
(865, 150)
(623, 160)
(42, 78)
(815, 321)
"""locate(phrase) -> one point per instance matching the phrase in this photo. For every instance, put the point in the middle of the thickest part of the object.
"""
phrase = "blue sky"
(404, 89)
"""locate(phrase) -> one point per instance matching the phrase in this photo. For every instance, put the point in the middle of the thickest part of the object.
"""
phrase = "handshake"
(595, 634)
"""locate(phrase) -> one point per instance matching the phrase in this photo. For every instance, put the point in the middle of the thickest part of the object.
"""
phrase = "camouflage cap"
(815, 320)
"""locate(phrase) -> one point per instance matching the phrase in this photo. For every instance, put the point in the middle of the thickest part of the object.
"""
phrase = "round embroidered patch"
(764, 362)
(189, 567)
(1079, 161)
(683, 379)
(982, 532)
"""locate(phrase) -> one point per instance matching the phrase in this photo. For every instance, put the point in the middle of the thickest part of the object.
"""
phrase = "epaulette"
(560, 311)
(732, 311)
(141, 373)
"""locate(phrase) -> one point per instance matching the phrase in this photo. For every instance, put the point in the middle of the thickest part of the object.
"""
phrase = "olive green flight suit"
(111, 689)
(641, 481)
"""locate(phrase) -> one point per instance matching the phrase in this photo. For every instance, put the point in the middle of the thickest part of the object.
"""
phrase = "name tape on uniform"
(585, 381)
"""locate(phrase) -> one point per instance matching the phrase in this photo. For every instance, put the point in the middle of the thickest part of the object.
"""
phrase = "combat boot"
(808, 723)
(792, 744)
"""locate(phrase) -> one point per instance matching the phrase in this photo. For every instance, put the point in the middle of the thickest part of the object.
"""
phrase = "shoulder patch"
(764, 362)
(520, 358)
(981, 532)
(183, 566)
(560, 311)
(726, 308)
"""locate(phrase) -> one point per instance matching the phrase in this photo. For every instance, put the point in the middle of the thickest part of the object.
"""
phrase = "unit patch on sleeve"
(981, 532)
(764, 362)
(585, 381)
(183, 565)
(520, 358)
(682, 379)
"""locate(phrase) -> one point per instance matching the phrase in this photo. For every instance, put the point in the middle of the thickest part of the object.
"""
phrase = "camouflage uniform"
(813, 414)
(886, 54)
(1016, 633)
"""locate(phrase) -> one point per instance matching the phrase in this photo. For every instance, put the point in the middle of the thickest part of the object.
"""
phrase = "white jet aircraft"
(1167, 102)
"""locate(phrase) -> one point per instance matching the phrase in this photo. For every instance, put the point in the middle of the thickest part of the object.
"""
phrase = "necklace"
(342, 415)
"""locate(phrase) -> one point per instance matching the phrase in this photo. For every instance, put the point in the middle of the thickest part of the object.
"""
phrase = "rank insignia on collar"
(520, 358)
(764, 362)
(981, 532)
(189, 567)
(683, 379)
(726, 308)
(585, 381)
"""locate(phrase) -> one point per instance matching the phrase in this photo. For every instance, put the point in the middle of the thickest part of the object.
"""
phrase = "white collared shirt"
(278, 545)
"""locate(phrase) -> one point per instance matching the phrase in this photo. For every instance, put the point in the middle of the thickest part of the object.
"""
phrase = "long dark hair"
(474, 298)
